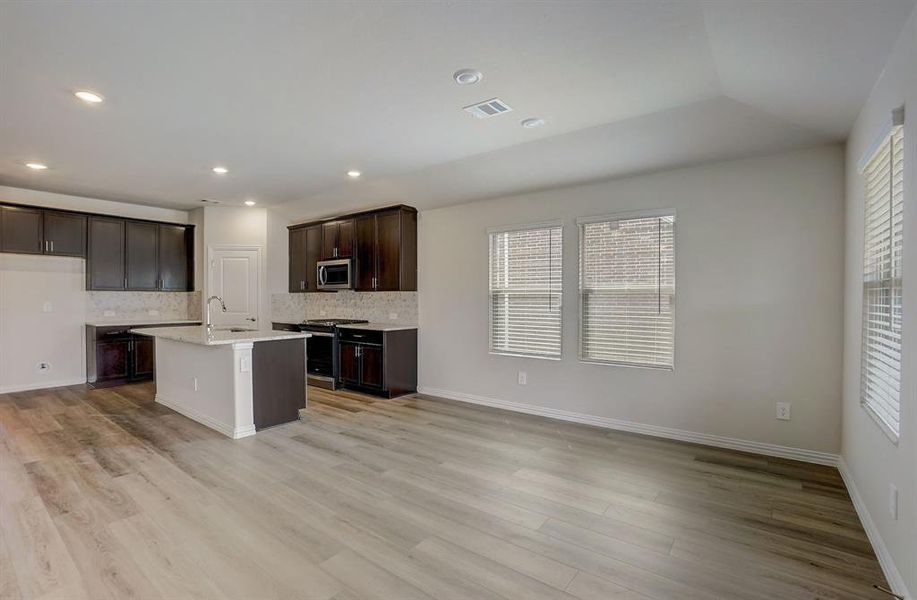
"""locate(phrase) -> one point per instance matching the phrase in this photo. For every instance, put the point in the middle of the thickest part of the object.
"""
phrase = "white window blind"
(627, 290)
(880, 376)
(525, 291)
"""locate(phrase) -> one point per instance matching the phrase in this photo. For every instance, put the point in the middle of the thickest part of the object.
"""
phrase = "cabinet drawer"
(361, 336)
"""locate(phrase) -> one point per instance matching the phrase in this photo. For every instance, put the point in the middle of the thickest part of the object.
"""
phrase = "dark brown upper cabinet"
(298, 273)
(122, 254)
(139, 256)
(142, 254)
(305, 252)
(105, 264)
(31, 230)
(337, 239)
(386, 256)
(382, 244)
(64, 233)
(20, 230)
(176, 264)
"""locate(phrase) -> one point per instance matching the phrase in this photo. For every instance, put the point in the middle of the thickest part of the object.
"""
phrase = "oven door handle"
(319, 333)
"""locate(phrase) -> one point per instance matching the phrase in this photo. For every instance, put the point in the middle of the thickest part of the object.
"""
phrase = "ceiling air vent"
(488, 108)
(209, 201)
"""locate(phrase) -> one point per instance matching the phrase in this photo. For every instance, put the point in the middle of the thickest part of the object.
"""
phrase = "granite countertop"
(378, 326)
(219, 336)
(139, 321)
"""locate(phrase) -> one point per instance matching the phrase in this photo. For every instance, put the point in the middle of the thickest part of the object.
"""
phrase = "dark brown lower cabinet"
(383, 363)
(143, 357)
(278, 381)
(115, 356)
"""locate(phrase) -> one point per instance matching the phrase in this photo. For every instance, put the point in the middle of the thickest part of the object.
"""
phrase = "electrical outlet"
(393, 316)
(153, 313)
(108, 313)
(47, 307)
(322, 313)
(43, 366)
(893, 501)
(194, 383)
(245, 365)
(523, 378)
(783, 411)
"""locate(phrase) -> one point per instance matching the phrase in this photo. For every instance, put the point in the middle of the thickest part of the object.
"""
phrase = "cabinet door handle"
(52, 246)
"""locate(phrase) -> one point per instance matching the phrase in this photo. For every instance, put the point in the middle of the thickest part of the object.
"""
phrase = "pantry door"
(235, 276)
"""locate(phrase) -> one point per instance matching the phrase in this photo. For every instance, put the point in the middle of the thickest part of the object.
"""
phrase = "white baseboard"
(812, 456)
(872, 532)
(40, 385)
(227, 430)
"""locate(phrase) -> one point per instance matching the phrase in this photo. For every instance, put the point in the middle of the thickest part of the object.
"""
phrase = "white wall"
(27, 334)
(759, 259)
(874, 462)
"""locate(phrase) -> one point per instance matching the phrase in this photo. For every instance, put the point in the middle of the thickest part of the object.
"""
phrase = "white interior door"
(235, 277)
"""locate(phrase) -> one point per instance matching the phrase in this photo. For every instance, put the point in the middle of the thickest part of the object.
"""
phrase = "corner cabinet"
(377, 362)
(381, 243)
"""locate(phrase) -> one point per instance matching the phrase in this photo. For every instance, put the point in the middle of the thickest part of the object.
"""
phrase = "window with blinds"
(880, 376)
(525, 291)
(627, 290)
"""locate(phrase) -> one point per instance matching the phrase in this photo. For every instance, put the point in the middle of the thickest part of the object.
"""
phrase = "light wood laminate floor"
(105, 494)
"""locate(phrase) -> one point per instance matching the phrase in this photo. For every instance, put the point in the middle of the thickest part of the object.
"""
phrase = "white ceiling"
(290, 95)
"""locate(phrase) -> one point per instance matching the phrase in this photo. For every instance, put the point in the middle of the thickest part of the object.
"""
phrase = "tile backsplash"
(376, 307)
(126, 305)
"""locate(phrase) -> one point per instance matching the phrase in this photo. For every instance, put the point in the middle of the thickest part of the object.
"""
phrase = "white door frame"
(262, 276)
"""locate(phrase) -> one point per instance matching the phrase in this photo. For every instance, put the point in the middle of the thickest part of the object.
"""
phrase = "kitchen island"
(233, 380)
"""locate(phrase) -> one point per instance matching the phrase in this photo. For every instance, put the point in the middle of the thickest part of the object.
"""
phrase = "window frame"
(886, 135)
(623, 216)
(559, 224)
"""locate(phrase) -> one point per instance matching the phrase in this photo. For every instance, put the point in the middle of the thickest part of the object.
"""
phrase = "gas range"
(322, 365)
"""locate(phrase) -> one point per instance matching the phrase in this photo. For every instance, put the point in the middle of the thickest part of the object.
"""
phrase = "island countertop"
(220, 336)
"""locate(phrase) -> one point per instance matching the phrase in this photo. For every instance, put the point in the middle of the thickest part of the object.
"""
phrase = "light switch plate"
(523, 378)
(47, 307)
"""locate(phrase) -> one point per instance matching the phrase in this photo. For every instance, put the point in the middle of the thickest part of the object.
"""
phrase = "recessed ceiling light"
(220, 170)
(353, 174)
(467, 76)
(88, 97)
(250, 203)
(36, 166)
(532, 123)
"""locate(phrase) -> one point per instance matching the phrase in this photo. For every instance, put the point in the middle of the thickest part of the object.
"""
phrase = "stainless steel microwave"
(334, 274)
